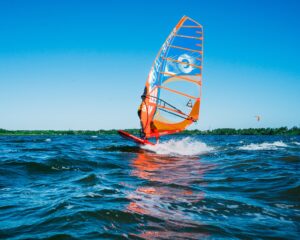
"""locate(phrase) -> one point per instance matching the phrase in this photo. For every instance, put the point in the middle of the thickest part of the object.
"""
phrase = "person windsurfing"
(183, 53)
(139, 112)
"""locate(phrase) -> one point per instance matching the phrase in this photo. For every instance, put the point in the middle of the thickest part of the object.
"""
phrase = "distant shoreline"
(218, 131)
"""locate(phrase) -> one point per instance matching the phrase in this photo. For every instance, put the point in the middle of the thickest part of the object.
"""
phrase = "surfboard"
(172, 93)
(134, 138)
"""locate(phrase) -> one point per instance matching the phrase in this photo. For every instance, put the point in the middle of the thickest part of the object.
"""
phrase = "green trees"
(218, 131)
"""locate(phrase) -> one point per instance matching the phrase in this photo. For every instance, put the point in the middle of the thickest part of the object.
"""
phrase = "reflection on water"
(171, 190)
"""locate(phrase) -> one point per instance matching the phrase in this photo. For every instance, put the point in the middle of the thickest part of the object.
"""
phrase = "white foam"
(297, 143)
(48, 140)
(69, 206)
(186, 146)
(263, 146)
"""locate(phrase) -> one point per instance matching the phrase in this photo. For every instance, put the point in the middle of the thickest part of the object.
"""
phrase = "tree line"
(218, 131)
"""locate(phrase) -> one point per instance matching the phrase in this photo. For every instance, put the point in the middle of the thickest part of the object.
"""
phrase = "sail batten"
(186, 49)
(191, 26)
(186, 36)
(173, 88)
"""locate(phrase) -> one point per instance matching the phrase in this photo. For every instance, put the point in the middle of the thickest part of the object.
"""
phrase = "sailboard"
(172, 93)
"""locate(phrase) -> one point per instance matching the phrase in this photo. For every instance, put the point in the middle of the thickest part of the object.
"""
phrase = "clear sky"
(83, 64)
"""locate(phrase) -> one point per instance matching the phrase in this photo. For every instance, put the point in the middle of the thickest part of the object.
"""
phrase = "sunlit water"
(105, 187)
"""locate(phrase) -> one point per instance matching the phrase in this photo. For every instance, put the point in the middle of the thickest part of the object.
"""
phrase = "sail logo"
(186, 63)
(183, 64)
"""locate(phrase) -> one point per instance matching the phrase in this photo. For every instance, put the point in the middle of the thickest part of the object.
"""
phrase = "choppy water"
(104, 187)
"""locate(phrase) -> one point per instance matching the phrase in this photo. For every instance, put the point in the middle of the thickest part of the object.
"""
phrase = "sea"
(185, 187)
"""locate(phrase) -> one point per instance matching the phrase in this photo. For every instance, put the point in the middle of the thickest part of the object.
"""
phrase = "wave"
(30, 166)
(133, 149)
(90, 179)
(263, 146)
(186, 147)
(28, 139)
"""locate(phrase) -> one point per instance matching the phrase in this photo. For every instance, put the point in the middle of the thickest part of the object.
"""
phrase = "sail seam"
(184, 78)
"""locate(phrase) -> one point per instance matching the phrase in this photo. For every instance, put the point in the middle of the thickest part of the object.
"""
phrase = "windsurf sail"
(171, 98)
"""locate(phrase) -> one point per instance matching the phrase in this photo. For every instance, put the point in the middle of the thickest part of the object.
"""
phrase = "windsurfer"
(140, 112)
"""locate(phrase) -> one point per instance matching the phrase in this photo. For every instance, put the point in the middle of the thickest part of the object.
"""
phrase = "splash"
(186, 146)
(263, 146)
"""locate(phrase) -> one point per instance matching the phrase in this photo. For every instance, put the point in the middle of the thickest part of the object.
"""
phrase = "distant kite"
(257, 118)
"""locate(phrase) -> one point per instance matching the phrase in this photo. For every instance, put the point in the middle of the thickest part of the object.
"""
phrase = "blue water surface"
(190, 187)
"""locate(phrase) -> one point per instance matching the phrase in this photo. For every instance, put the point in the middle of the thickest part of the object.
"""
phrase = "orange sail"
(171, 98)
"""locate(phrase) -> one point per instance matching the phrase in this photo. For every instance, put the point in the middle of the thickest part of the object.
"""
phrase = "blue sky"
(83, 64)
